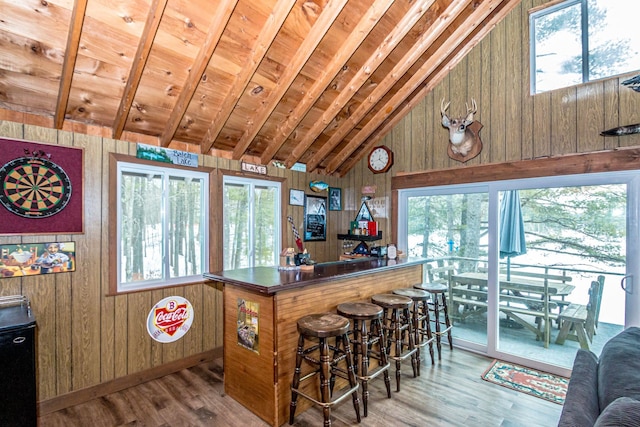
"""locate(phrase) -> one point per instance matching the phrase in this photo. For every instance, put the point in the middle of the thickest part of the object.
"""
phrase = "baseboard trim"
(83, 395)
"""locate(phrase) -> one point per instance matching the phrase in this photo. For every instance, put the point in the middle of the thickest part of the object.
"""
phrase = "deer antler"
(443, 107)
(473, 109)
(443, 110)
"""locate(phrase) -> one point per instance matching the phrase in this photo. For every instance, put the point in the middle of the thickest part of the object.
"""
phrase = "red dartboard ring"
(34, 187)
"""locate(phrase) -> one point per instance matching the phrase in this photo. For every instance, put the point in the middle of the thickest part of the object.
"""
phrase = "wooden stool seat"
(392, 301)
(323, 325)
(414, 294)
(319, 327)
(439, 300)
(433, 288)
(420, 319)
(360, 310)
(397, 321)
(367, 337)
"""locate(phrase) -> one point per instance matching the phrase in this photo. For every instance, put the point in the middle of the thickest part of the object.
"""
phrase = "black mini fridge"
(17, 362)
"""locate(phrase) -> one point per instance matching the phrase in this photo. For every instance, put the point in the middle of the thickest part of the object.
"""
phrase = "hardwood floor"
(451, 393)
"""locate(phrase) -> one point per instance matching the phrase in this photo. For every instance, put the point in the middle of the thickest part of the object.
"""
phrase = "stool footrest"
(444, 331)
(343, 395)
(404, 355)
(427, 341)
(374, 372)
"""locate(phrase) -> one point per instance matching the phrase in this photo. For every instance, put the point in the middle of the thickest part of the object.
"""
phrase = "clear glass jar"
(391, 251)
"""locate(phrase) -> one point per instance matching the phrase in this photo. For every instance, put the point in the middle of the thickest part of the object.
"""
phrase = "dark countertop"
(270, 280)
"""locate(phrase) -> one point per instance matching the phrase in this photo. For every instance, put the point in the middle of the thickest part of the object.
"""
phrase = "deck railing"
(579, 279)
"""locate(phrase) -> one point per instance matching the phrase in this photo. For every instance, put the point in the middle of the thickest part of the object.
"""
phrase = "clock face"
(380, 159)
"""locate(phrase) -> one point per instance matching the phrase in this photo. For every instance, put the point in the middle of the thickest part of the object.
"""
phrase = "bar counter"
(267, 302)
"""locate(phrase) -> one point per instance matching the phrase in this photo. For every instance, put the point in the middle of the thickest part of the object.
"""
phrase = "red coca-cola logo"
(171, 320)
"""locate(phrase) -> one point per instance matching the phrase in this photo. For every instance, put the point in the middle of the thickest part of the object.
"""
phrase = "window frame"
(114, 224)
(284, 194)
(554, 7)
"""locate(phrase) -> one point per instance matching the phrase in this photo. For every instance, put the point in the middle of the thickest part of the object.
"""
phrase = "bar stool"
(364, 341)
(397, 321)
(420, 319)
(439, 298)
(321, 326)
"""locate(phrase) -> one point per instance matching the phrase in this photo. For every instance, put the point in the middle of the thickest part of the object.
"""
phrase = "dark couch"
(605, 391)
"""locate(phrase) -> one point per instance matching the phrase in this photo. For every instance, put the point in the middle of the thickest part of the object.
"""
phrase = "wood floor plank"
(450, 393)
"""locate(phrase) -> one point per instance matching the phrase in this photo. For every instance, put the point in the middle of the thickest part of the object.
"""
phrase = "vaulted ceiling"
(313, 81)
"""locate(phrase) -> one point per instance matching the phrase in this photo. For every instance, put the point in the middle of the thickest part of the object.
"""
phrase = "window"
(577, 41)
(251, 222)
(162, 225)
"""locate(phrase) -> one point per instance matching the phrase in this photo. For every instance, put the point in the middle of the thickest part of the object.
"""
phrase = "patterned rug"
(540, 384)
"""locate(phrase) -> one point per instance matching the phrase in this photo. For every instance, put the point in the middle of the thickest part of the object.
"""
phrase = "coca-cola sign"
(170, 319)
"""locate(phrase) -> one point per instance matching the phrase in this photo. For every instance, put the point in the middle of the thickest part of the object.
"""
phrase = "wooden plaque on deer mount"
(475, 128)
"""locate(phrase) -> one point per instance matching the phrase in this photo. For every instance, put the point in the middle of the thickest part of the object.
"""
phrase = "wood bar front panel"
(249, 377)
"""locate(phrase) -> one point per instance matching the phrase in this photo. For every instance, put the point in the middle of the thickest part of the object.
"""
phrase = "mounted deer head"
(462, 139)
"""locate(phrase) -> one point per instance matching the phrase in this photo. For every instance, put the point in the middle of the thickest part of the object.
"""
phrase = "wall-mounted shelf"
(360, 237)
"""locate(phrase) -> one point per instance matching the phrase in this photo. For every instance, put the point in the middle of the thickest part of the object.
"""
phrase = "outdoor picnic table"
(520, 296)
(520, 283)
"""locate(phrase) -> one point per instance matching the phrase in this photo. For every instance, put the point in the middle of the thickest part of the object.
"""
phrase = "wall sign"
(166, 155)
(170, 319)
(248, 322)
(250, 167)
(369, 189)
(40, 188)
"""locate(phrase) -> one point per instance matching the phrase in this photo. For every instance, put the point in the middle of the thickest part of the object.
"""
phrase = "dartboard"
(34, 187)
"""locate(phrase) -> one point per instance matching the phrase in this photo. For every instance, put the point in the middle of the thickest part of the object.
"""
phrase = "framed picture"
(315, 218)
(364, 214)
(335, 199)
(32, 259)
(296, 197)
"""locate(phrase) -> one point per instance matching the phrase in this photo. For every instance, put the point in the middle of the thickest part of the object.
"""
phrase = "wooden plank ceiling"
(313, 81)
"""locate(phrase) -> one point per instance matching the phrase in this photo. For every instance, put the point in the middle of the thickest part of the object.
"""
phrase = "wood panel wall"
(517, 125)
(86, 337)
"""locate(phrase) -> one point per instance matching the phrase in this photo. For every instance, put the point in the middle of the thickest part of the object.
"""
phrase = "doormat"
(539, 384)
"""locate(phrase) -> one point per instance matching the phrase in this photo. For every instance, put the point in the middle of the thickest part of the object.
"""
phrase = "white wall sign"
(170, 319)
(250, 167)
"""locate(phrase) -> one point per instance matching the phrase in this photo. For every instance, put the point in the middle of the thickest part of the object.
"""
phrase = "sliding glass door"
(450, 228)
(533, 266)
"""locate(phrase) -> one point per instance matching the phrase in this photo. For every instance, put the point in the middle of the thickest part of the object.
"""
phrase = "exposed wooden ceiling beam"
(70, 56)
(466, 46)
(453, 44)
(418, 9)
(306, 49)
(218, 24)
(137, 67)
(419, 48)
(268, 33)
(360, 32)
(324, 105)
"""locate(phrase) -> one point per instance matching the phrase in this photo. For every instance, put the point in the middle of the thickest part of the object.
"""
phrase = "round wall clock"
(34, 187)
(380, 159)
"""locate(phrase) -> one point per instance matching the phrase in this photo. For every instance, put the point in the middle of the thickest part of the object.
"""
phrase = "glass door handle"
(623, 284)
